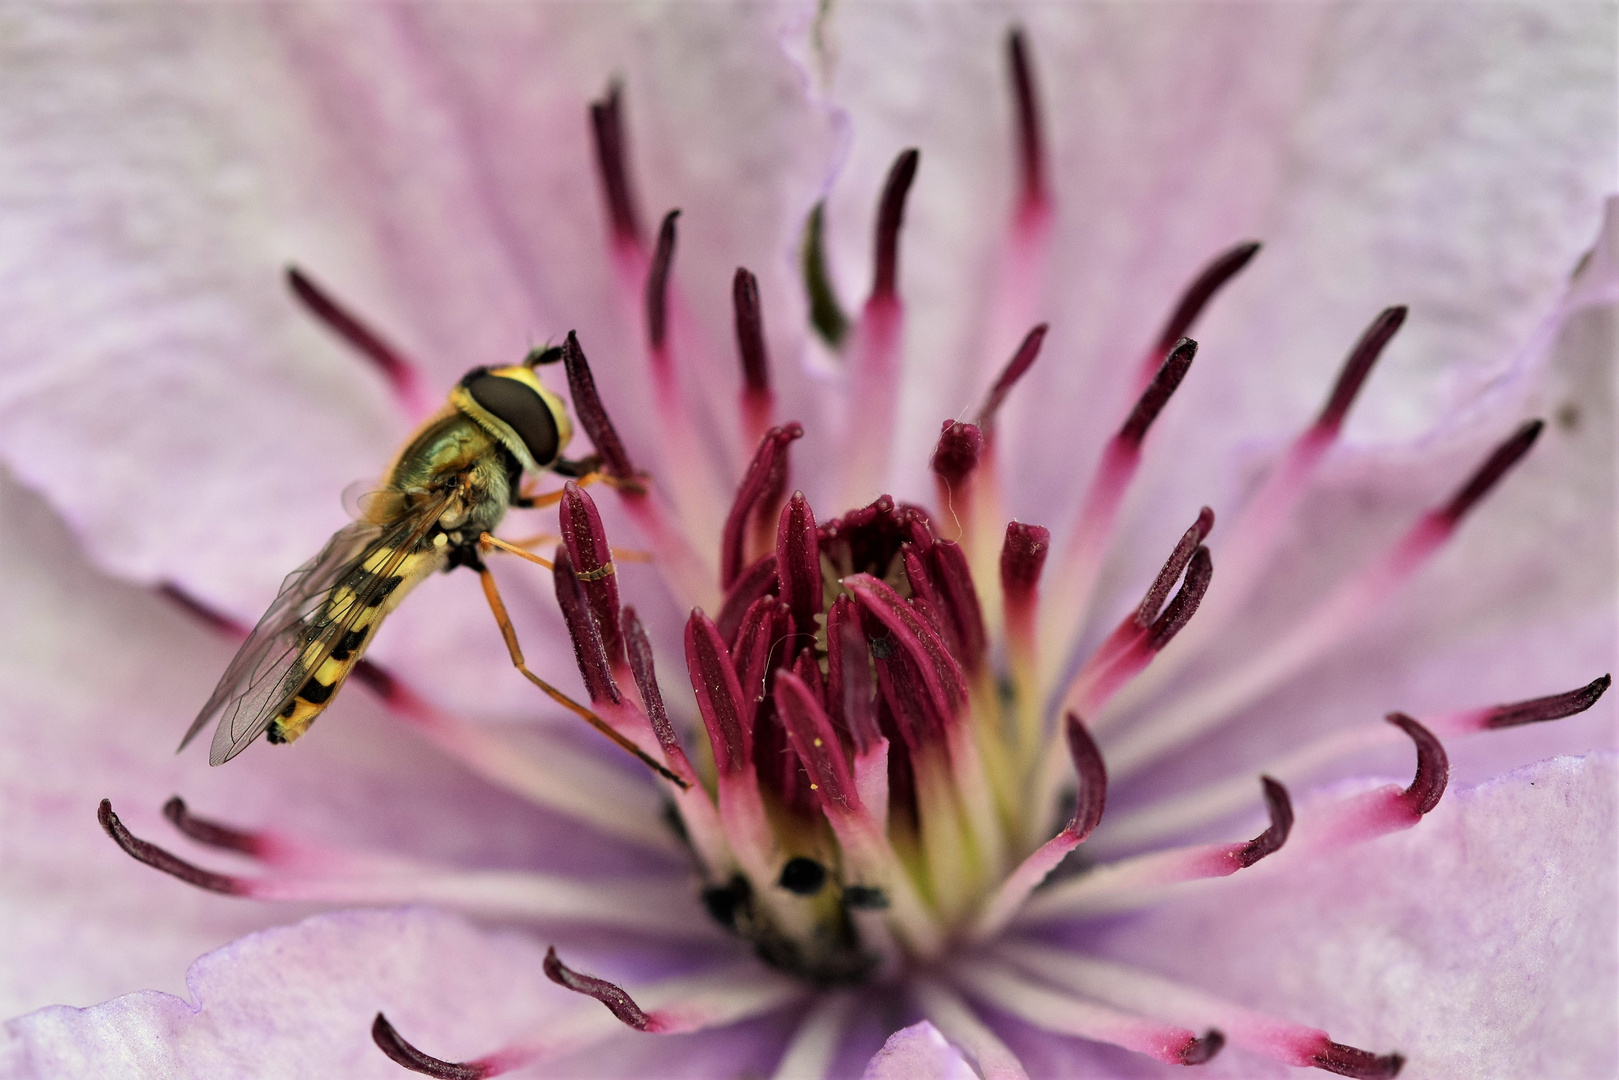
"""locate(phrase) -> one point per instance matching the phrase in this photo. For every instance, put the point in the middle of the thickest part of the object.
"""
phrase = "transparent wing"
(276, 659)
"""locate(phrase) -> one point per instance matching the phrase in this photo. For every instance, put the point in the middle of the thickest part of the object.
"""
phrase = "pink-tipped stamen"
(1089, 801)
(403, 375)
(757, 401)
(1064, 1014)
(1140, 880)
(1136, 990)
(1260, 526)
(1208, 283)
(1342, 613)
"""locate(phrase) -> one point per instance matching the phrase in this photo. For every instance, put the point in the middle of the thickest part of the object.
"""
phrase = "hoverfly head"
(512, 405)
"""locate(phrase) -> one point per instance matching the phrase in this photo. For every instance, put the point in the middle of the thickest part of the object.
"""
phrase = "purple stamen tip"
(400, 1052)
(607, 128)
(586, 539)
(1031, 144)
(890, 216)
(1271, 840)
(1203, 289)
(587, 405)
(1358, 366)
(798, 563)
(589, 648)
(657, 281)
(351, 329)
(1157, 394)
(958, 451)
(208, 832)
(750, 332)
(1497, 465)
(1200, 1051)
(1023, 557)
(639, 649)
(1091, 798)
(1015, 369)
(158, 859)
(1553, 707)
(760, 487)
(1356, 1063)
(1199, 572)
(1433, 765)
(1171, 572)
(619, 1003)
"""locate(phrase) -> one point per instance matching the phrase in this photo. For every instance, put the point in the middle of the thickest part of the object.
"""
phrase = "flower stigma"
(896, 753)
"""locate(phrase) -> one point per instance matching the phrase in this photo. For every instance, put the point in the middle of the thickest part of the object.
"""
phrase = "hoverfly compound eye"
(518, 403)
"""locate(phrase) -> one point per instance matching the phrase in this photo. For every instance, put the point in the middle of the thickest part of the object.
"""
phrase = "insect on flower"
(439, 503)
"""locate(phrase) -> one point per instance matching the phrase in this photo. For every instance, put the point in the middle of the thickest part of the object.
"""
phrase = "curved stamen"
(657, 284)
(1535, 710)
(403, 375)
(1209, 281)
(402, 1053)
(612, 163)
(890, 216)
(1015, 369)
(159, 859)
(618, 1002)
(1153, 602)
(1031, 146)
(587, 406)
(1165, 381)
(1386, 809)
(211, 833)
(756, 498)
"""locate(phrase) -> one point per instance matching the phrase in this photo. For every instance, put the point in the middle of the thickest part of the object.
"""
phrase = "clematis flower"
(1032, 742)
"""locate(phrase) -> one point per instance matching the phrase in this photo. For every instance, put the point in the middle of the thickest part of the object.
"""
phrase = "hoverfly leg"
(586, 467)
(487, 541)
(498, 607)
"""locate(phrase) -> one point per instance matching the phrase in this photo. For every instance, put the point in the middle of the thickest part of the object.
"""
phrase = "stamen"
(1137, 881)
(810, 732)
(1181, 609)
(1496, 466)
(1538, 710)
(212, 833)
(826, 313)
(1164, 383)
(849, 689)
(915, 653)
(890, 216)
(1433, 766)
(657, 283)
(402, 1053)
(757, 399)
(589, 650)
(1358, 366)
(767, 472)
(638, 647)
(619, 1003)
(403, 376)
(159, 859)
(959, 600)
(759, 579)
(1031, 150)
(1153, 602)
(798, 567)
(1358, 1064)
(719, 695)
(956, 456)
(607, 125)
(592, 559)
(1386, 809)
(1023, 557)
(1016, 368)
(1203, 288)
(587, 406)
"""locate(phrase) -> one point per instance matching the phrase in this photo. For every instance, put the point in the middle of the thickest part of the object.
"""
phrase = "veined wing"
(317, 605)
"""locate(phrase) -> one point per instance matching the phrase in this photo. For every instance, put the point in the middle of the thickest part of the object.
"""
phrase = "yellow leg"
(487, 541)
(498, 607)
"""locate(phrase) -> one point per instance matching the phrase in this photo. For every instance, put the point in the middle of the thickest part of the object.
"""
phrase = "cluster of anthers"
(899, 763)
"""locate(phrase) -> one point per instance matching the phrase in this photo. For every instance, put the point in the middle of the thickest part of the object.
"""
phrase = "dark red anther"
(657, 282)
(1433, 766)
(760, 645)
(815, 742)
(612, 161)
(1023, 557)
(849, 693)
(956, 456)
(959, 598)
(1199, 572)
(399, 372)
(890, 216)
(587, 406)
(766, 473)
(1091, 795)
(158, 859)
(798, 565)
(719, 695)
(919, 678)
(589, 649)
(211, 833)
(1031, 146)
(638, 649)
(1357, 1064)
(619, 1003)
(1171, 572)
(750, 332)
(586, 540)
(1200, 1051)
(1497, 465)
(759, 579)
(1203, 288)
(1358, 366)
(402, 1053)
(1016, 368)
(1271, 840)
(381, 682)
(1158, 392)
(1553, 707)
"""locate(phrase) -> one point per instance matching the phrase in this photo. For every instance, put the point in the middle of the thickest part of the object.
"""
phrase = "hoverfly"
(439, 502)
